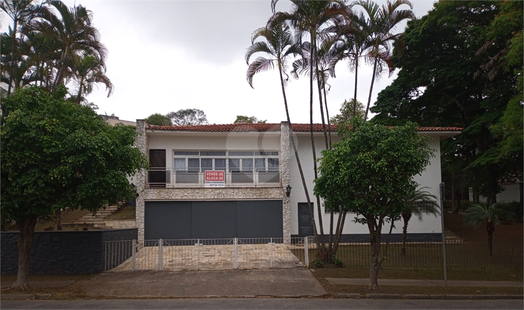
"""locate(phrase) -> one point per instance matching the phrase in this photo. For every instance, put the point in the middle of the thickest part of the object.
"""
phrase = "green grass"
(126, 213)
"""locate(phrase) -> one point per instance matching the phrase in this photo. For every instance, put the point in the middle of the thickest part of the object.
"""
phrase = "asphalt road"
(260, 303)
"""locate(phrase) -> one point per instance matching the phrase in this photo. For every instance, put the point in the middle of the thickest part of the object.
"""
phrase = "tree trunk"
(356, 84)
(25, 241)
(490, 228)
(302, 177)
(313, 149)
(375, 262)
(13, 47)
(371, 87)
(375, 231)
(404, 234)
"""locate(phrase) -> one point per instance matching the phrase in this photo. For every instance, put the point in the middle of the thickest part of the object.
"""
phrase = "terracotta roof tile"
(265, 127)
(219, 128)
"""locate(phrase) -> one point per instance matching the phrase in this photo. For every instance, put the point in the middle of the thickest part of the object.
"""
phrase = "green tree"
(20, 11)
(370, 173)
(489, 214)
(446, 79)
(242, 119)
(188, 117)
(159, 120)
(311, 19)
(73, 30)
(346, 112)
(418, 202)
(381, 22)
(58, 154)
(88, 71)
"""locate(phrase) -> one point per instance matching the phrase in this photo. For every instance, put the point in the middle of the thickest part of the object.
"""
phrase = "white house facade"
(242, 180)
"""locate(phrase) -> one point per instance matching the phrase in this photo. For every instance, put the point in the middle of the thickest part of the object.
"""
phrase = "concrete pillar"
(285, 137)
(141, 178)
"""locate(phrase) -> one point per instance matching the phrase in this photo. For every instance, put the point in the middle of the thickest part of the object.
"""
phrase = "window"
(235, 162)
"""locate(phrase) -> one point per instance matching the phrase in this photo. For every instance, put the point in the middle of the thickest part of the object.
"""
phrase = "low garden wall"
(62, 252)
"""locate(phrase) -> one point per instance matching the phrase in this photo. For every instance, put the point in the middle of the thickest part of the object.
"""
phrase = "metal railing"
(209, 254)
(249, 253)
(169, 177)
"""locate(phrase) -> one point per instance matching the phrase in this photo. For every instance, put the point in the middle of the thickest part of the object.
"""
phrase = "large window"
(243, 166)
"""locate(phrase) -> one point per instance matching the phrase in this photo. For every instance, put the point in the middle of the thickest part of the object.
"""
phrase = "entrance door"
(157, 174)
(304, 221)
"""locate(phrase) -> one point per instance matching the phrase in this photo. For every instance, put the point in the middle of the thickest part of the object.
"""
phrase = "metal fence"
(206, 254)
(248, 253)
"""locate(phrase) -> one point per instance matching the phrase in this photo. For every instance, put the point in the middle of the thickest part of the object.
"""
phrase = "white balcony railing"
(169, 177)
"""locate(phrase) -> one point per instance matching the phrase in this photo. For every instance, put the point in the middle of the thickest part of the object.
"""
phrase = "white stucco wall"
(431, 178)
(245, 141)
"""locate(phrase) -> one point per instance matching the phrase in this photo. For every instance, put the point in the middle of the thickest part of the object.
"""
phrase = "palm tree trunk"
(78, 98)
(356, 84)
(13, 47)
(490, 227)
(302, 177)
(404, 238)
(327, 115)
(371, 87)
(311, 60)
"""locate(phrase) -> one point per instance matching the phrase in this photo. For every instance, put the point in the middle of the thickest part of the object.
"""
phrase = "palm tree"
(89, 70)
(490, 214)
(20, 11)
(311, 18)
(73, 30)
(380, 22)
(418, 203)
(279, 45)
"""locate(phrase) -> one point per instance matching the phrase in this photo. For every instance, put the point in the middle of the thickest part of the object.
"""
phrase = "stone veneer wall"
(62, 252)
(285, 137)
(142, 145)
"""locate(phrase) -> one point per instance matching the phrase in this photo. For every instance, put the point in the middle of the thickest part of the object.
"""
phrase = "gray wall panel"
(259, 219)
(168, 219)
(214, 219)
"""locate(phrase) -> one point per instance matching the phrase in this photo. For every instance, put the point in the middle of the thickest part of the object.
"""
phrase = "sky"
(167, 55)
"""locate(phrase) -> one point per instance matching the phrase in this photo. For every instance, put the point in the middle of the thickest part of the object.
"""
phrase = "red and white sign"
(215, 178)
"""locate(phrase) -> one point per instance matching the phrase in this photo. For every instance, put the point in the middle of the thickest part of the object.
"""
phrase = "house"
(242, 180)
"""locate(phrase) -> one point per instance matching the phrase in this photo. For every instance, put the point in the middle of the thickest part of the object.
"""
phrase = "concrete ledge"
(460, 296)
(383, 296)
(416, 296)
(43, 296)
(349, 295)
(17, 296)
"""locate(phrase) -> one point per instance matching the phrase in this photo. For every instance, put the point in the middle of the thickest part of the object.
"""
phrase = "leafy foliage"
(57, 154)
(242, 119)
(347, 112)
(50, 45)
(188, 117)
(457, 69)
(491, 215)
(159, 120)
(370, 173)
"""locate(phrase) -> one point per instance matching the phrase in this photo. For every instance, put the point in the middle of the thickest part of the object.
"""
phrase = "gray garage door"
(213, 219)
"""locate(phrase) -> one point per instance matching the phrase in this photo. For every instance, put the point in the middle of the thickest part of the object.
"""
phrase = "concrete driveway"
(294, 282)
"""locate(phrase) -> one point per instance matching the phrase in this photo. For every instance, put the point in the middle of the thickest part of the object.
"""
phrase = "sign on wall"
(215, 178)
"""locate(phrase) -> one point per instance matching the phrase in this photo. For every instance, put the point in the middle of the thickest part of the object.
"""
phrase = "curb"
(25, 296)
(426, 296)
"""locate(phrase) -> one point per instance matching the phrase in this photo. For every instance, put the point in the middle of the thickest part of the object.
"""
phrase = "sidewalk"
(251, 283)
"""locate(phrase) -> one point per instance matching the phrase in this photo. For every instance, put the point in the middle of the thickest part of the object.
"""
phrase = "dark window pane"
(220, 164)
(240, 153)
(207, 164)
(212, 153)
(186, 153)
